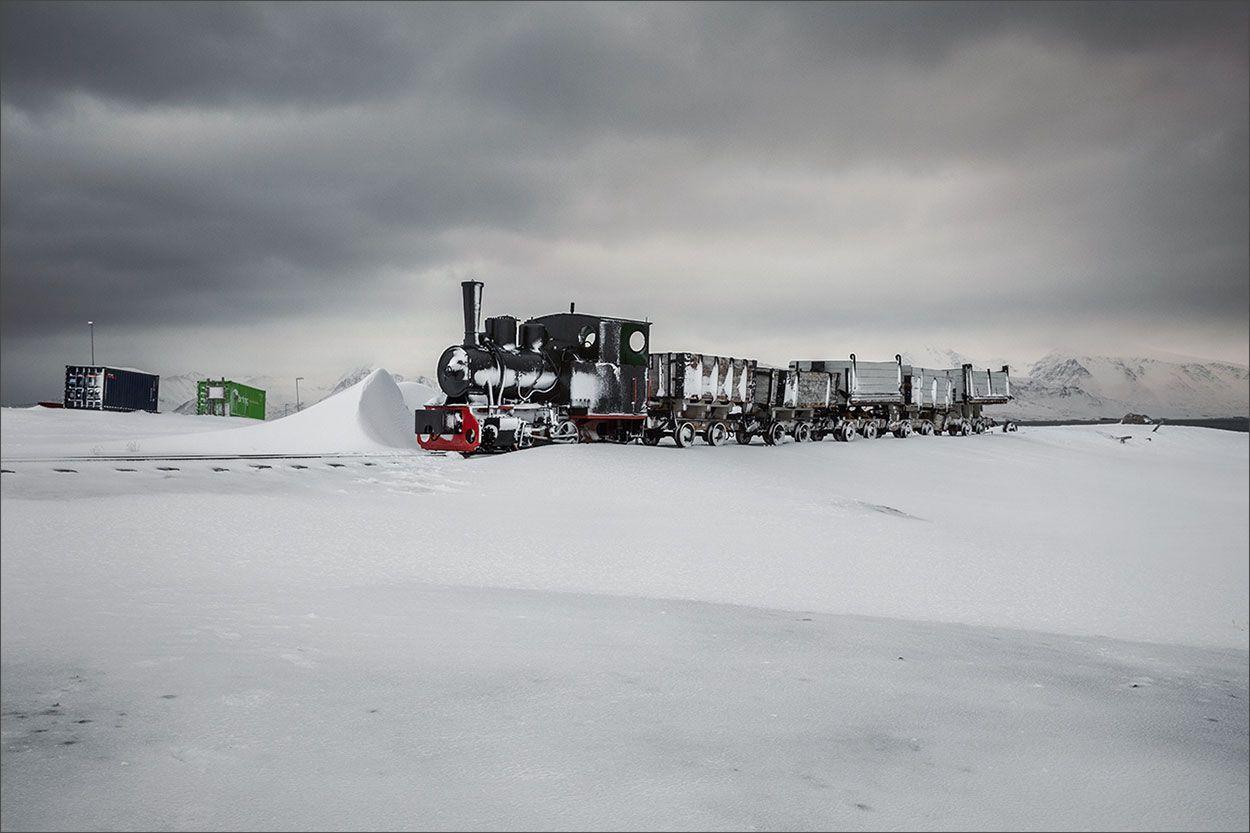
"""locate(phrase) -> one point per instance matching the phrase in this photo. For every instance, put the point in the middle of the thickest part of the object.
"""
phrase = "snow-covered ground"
(1039, 629)
(45, 432)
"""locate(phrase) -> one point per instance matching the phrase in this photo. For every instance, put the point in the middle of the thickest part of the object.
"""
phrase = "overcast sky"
(285, 189)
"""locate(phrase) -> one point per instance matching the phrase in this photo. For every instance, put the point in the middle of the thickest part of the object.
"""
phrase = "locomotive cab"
(606, 359)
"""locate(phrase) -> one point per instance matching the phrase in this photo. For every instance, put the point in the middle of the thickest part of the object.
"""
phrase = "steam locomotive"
(570, 377)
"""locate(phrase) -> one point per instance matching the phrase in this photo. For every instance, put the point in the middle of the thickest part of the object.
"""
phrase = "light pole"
(91, 324)
(297, 379)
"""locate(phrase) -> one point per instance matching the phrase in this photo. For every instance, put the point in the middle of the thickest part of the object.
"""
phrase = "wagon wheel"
(743, 436)
(684, 435)
(716, 433)
(963, 429)
(870, 431)
(802, 432)
(926, 428)
(849, 434)
(651, 437)
(903, 431)
(1010, 426)
(775, 434)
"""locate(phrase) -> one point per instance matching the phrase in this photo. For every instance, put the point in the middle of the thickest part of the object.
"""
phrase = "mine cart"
(972, 390)
(868, 396)
(696, 394)
(929, 396)
(788, 403)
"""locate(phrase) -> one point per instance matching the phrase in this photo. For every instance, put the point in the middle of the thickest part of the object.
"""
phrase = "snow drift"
(417, 395)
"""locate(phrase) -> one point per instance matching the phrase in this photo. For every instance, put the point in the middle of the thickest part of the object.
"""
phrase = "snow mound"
(417, 394)
(368, 417)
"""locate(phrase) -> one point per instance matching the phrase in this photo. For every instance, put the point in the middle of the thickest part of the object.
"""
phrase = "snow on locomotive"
(570, 377)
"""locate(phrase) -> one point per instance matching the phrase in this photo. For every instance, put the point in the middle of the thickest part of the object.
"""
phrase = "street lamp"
(297, 380)
(91, 324)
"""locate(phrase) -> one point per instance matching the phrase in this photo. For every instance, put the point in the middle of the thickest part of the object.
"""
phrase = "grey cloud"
(869, 168)
(205, 53)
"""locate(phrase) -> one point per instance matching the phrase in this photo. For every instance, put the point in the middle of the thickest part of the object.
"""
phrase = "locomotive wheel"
(870, 431)
(1010, 426)
(716, 433)
(565, 432)
(743, 436)
(849, 434)
(684, 435)
(802, 432)
(651, 438)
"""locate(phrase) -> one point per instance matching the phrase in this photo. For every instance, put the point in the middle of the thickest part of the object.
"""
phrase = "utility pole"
(91, 324)
(297, 379)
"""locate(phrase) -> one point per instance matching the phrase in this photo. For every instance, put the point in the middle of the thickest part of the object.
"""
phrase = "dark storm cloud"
(1009, 170)
(205, 53)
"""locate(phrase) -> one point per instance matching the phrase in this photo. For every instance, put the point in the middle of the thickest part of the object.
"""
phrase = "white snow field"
(1038, 630)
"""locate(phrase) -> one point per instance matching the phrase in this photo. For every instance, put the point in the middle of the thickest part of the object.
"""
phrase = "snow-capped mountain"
(938, 357)
(1062, 385)
(1076, 385)
(350, 378)
(177, 390)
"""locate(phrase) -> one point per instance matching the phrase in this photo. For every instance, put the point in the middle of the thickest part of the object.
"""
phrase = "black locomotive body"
(571, 377)
(555, 378)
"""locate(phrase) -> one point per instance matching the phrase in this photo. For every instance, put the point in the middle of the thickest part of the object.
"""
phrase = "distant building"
(222, 397)
(99, 388)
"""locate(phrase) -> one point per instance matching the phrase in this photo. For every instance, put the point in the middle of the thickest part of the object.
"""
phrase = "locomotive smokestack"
(572, 306)
(472, 291)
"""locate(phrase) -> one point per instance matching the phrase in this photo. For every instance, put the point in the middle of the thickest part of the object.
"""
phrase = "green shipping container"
(222, 397)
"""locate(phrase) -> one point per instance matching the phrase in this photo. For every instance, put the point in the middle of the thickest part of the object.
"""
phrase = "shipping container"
(223, 397)
(100, 388)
